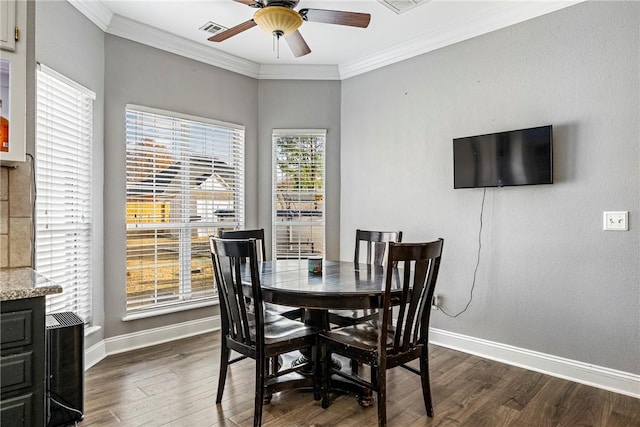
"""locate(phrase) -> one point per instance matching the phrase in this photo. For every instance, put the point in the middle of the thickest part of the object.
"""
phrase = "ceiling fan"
(278, 18)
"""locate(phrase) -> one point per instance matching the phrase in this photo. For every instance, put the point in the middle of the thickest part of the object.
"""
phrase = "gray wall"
(301, 104)
(146, 76)
(66, 41)
(549, 278)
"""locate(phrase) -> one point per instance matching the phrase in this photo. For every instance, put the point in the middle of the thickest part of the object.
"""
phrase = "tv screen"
(518, 157)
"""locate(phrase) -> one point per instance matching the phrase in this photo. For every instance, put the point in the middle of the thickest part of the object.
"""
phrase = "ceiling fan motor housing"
(278, 20)
(284, 3)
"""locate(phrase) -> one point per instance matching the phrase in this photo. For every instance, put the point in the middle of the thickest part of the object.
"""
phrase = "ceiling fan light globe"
(278, 19)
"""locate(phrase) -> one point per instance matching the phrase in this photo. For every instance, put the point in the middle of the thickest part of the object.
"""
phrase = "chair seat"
(278, 328)
(288, 312)
(363, 336)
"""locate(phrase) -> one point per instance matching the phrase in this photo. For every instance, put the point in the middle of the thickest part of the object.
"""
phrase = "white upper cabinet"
(7, 24)
(13, 60)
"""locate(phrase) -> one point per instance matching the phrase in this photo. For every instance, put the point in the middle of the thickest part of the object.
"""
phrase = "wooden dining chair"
(258, 234)
(374, 251)
(257, 335)
(386, 343)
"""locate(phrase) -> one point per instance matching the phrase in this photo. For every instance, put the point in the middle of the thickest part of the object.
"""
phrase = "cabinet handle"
(16, 33)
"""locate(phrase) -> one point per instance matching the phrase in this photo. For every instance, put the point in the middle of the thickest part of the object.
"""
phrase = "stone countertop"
(19, 283)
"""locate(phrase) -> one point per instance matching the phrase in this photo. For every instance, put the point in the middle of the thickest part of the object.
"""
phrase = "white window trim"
(184, 116)
(78, 302)
(176, 308)
(159, 307)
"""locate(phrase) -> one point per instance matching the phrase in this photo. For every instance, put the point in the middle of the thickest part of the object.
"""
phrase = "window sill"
(143, 314)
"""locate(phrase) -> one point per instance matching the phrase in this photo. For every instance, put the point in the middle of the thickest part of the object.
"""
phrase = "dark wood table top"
(342, 285)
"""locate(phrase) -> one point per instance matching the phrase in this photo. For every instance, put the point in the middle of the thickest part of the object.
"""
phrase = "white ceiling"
(337, 52)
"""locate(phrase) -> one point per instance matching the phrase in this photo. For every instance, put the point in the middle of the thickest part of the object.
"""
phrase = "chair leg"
(326, 379)
(224, 364)
(271, 366)
(382, 397)
(317, 372)
(426, 386)
(261, 368)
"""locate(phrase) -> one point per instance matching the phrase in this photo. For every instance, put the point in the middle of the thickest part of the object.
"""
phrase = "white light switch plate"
(616, 221)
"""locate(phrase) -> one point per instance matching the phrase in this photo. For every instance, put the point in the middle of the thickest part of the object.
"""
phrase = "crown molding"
(95, 11)
(141, 33)
(497, 17)
(126, 28)
(299, 72)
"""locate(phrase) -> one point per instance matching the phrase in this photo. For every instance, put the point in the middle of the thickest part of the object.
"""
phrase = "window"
(185, 181)
(64, 136)
(298, 193)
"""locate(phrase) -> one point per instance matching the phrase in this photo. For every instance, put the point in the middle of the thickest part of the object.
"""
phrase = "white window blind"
(298, 193)
(185, 181)
(64, 135)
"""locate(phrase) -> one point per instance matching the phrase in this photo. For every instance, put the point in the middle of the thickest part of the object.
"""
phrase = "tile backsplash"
(16, 206)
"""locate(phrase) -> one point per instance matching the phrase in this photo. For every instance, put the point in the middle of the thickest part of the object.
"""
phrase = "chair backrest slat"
(420, 263)
(240, 306)
(257, 234)
(418, 288)
(376, 244)
(423, 304)
(229, 265)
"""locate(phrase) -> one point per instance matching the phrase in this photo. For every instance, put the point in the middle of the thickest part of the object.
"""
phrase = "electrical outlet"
(616, 221)
(436, 301)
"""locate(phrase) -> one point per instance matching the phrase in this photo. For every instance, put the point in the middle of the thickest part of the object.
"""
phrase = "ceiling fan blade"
(250, 3)
(352, 19)
(297, 44)
(233, 31)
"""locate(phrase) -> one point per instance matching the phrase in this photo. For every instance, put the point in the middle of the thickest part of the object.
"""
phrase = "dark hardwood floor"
(174, 384)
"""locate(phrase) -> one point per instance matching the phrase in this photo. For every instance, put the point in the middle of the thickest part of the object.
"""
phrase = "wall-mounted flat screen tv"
(518, 157)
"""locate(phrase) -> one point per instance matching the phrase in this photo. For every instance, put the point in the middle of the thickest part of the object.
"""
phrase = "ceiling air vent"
(401, 6)
(213, 28)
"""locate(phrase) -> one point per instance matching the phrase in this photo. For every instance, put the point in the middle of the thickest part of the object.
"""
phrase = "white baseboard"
(94, 354)
(149, 337)
(580, 372)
